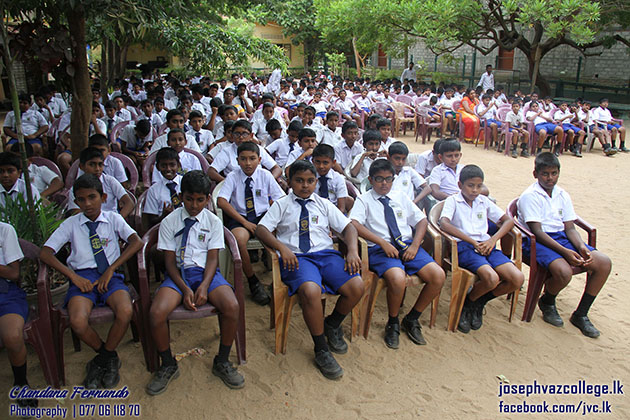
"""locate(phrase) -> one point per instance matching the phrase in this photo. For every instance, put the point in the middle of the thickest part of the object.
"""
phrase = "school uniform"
(473, 221)
(365, 104)
(535, 205)
(203, 138)
(155, 120)
(40, 176)
(490, 117)
(280, 150)
(540, 123)
(191, 238)
(425, 163)
(408, 181)
(447, 105)
(344, 154)
(114, 190)
(566, 123)
(385, 144)
(393, 218)
(304, 227)
(162, 141)
(162, 114)
(18, 188)
(218, 130)
(346, 106)
(259, 128)
(187, 161)
(603, 117)
(294, 155)
(332, 186)
(226, 160)
(365, 167)
(110, 123)
(138, 97)
(87, 250)
(237, 188)
(113, 167)
(124, 114)
(130, 137)
(330, 137)
(12, 297)
(446, 178)
(515, 120)
(92, 129)
(32, 121)
(320, 109)
(162, 192)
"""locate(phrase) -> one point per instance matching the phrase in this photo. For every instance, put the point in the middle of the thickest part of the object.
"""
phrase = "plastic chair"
(432, 243)
(462, 279)
(401, 118)
(144, 266)
(147, 169)
(138, 218)
(130, 169)
(40, 161)
(425, 126)
(114, 133)
(537, 273)
(459, 122)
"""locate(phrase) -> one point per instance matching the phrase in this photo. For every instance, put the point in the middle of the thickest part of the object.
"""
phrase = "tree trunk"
(356, 56)
(104, 77)
(81, 92)
(122, 63)
(533, 59)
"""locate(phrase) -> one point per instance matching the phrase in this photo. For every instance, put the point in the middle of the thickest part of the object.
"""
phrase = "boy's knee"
(517, 279)
(13, 338)
(79, 324)
(355, 287)
(396, 280)
(490, 279)
(435, 276)
(601, 262)
(309, 292)
(124, 312)
(156, 315)
(229, 307)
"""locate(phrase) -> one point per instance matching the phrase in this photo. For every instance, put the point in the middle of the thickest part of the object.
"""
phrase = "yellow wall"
(144, 54)
(273, 33)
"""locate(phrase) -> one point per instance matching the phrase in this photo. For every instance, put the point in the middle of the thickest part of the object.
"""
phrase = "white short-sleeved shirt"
(205, 139)
(446, 178)
(123, 114)
(446, 103)
(112, 167)
(114, 190)
(114, 120)
(346, 106)
(111, 228)
(337, 187)
(601, 114)
(162, 141)
(344, 154)
(41, 176)
(226, 160)
(264, 188)
(408, 181)
(535, 205)
(559, 114)
(284, 218)
(490, 113)
(214, 152)
(515, 120)
(205, 235)
(131, 138)
(10, 250)
(18, 188)
(472, 220)
(425, 163)
(32, 121)
(294, 155)
(188, 162)
(370, 212)
(537, 120)
(159, 195)
(155, 119)
(365, 166)
(282, 148)
(330, 137)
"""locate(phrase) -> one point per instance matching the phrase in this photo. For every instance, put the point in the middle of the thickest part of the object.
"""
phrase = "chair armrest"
(230, 240)
(515, 233)
(435, 236)
(44, 297)
(363, 252)
(590, 230)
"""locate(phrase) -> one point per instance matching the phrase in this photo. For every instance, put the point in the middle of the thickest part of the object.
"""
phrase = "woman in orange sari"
(467, 114)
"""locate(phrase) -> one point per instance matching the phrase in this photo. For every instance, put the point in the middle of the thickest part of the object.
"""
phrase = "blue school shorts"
(471, 260)
(321, 114)
(194, 277)
(366, 109)
(447, 113)
(548, 127)
(116, 283)
(566, 127)
(293, 106)
(380, 262)
(230, 223)
(324, 268)
(37, 140)
(611, 126)
(13, 301)
(493, 121)
(545, 256)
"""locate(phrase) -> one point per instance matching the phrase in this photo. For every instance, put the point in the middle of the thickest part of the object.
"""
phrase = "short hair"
(174, 131)
(215, 102)
(144, 102)
(243, 124)
(546, 160)
(348, 125)
(166, 153)
(273, 125)
(87, 182)
(109, 105)
(98, 140)
(248, 146)
(295, 126)
(24, 97)
(331, 114)
(310, 108)
(143, 127)
(381, 165)
(195, 182)
(301, 105)
(486, 96)
(602, 100)
(306, 132)
(436, 146)
(173, 113)
(11, 159)
(398, 148)
(450, 145)
(195, 114)
(470, 171)
(229, 108)
(90, 153)
(383, 122)
(268, 105)
(228, 125)
(370, 135)
(324, 150)
(158, 100)
(301, 166)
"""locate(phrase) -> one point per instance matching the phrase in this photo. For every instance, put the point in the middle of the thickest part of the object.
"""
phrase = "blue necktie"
(188, 223)
(305, 240)
(110, 123)
(97, 248)
(249, 201)
(323, 187)
(291, 146)
(198, 138)
(392, 225)
(172, 187)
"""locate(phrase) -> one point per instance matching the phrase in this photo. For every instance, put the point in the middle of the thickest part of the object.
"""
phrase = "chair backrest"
(405, 99)
(136, 214)
(434, 214)
(457, 105)
(502, 113)
(130, 168)
(44, 298)
(71, 176)
(381, 108)
(399, 110)
(420, 100)
(40, 161)
(113, 135)
(355, 96)
(512, 211)
(215, 197)
(162, 129)
(352, 190)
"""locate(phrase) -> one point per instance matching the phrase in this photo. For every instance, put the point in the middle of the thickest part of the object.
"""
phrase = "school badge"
(258, 193)
(314, 219)
(304, 225)
(201, 237)
(479, 215)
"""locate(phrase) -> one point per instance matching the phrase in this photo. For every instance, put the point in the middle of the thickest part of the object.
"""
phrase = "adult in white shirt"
(408, 74)
(487, 79)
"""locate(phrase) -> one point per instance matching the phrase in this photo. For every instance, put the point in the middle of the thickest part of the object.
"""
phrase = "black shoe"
(414, 331)
(546, 144)
(228, 374)
(392, 333)
(161, 379)
(550, 314)
(624, 149)
(327, 365)
(556, 150)
(609, 151)
(94, 377)
(584, 324)
(335, 338)
(514, 153)
(253, 255)
(464, 320)
(476, 316)
(111, 377)
(259, 294)
(525, 153)
(577, 151)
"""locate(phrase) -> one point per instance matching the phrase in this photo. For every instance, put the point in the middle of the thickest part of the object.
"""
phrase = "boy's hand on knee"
(201, 296)
(82, 283)
(389, 249)
(189, 299)
(251, 228)
(289, 260)
(353, 263)
(103, 281)
(573, 258)
(586, 255)
(410, 253)
(485, 247)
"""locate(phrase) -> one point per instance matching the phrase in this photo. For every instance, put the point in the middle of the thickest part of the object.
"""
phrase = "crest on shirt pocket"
(201, 237)
(399, 214)
(405, 182)
(258, 193)
(560, 212)
(479, 215)
(314, 219)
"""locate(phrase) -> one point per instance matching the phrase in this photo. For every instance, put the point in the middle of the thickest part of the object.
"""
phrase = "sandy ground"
(453, 377)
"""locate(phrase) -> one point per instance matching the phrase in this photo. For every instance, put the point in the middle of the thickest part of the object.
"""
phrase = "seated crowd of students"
(290, 166)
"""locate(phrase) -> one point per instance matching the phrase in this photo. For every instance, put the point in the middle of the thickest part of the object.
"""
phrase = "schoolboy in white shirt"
(91, 267)
(281, 148)
(110, 119)
(603, 120)
(164, 194)
(148, 114)
(519, 131)
(191, 237)
(34, 125)
(42, 178)
(307, 140)
(330, 184)
(203, 137)
(331, 133)
(428, 160)
(10, 182)
(360, 166)
(385, 218)
(174, 119)
(121, 111)
(444, 178)
(347, 149)
(407, 179)
(188, 162)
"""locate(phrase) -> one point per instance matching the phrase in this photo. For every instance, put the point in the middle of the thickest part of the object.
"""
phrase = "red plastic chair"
(425, 126)
(537, 273)
(130, 169)
(115, 132)
(147, 169)
(144, 266)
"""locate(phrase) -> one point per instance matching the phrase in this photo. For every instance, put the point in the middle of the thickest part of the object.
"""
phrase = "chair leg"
(461, 283)
(533, 292)
(513, 305)
(434, 308)
(285, 325)
(377, 286)
(42, 340)
(358, 321)
(75, 341)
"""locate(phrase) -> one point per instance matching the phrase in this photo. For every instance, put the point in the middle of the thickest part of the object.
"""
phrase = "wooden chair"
(538, 274)
(144, 266)
(462, 279)
(432, 243)
(282, 304)
(401, 118)
(147, 169)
